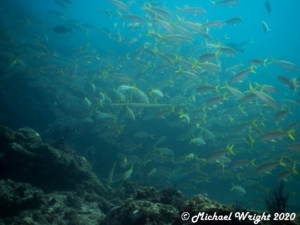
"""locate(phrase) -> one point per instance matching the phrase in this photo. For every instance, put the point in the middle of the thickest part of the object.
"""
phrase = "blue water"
(68, 75)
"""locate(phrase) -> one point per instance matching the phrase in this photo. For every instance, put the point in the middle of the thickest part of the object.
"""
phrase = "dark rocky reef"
(20, 203)
(42, 184)
(144, 205)
(24, 158)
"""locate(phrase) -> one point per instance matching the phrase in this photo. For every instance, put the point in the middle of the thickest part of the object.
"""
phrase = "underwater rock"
(138, 212)
(170, 196)
(24, 158)
(143, 205)
(20, 203)
(16, 197)
(129, 189)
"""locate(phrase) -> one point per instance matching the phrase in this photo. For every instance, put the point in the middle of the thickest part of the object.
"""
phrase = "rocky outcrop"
(25, 158)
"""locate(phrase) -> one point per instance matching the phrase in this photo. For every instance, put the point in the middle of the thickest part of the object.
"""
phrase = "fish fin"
(252, 162)
(290, 134)
(230, 149)
(294, 168)
(252, 68)
(265, 62)
(217, 54)
(272, 60)
(281, 162)
(172, 160)
(233, 187)
(217, 89)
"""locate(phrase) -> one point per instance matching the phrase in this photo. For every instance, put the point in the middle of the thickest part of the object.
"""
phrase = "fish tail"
(146, 7)
(225, 86)
(251, 89)
(294, 168)
(265, 62)
(233, 187)
(196, 64)
(257, 85)
(290, 134)
(230, 149)
(242, 110)
(225, 96)
(272, 60)
(172, 160)
(262, 122)
(252, 68)
(281, 162)
(196, 157)
(217, 54)
(252, 162)
(186, 156)
(173, 108)
(217, 89)
(179, 18)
